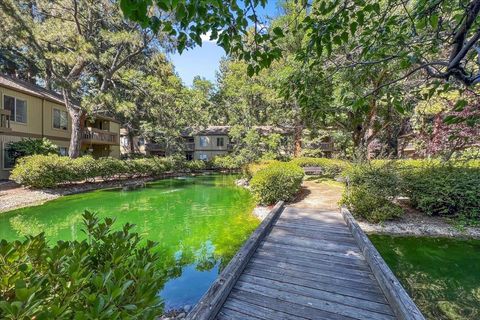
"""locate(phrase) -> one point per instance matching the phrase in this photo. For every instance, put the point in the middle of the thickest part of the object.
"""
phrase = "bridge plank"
(308, 265)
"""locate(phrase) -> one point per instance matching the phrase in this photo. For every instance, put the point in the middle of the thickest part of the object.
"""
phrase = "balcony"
(5, 120)
(155, 146)
(97, 136)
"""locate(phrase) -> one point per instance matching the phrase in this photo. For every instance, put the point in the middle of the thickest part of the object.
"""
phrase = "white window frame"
(222, 139)
(13, 116)
(203, 156)
(203, 141)
(53, 119)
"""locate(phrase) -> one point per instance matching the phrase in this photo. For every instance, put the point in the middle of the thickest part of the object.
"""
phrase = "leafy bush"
(450, 189)
(108, 276)
(251, 169)
(371, 191)
(46, 171)
(276, 181)
(30, 146)
(196, 165)
(226, 162)
(330, 167)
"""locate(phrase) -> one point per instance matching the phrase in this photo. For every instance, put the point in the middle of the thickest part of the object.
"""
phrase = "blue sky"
(204, 60)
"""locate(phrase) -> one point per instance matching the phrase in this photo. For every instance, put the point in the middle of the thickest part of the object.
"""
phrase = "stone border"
(212, 301)
(401, 303)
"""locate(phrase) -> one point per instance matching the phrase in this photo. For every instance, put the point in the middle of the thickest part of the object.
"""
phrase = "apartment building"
(207, 143)
(30, 111)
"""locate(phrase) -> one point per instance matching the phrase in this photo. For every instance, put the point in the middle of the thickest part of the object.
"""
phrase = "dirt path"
(319, 194)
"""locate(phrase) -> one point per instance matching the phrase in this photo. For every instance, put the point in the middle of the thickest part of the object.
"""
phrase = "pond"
(441, 275)
(199, 222)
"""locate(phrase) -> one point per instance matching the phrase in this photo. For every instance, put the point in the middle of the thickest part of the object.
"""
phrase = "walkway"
(308, 267)
(307, 262)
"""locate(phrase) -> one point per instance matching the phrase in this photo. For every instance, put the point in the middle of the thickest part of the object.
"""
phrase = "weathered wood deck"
(306, 264)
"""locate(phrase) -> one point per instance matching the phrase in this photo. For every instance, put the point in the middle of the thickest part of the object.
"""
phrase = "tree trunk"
(76, 115)
(130, 142)
(298, 131)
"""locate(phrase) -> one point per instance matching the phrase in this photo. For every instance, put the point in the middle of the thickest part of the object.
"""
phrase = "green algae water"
(441, 275)
(199, 222)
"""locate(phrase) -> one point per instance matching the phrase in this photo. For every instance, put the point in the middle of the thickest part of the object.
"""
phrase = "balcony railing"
(155, 146)
(97, 136)
(5, 120)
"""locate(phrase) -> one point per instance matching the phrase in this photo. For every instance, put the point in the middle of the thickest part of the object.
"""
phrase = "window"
(8, 161)
(63, 151)
(203, 156)
(17, 108)
(203, 141)
(60, 119)
(124, 142)
(220, 142)
(141, 141)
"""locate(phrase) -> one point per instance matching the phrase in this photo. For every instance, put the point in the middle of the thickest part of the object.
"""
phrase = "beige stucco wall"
(34, 112)
(48, 128)
(210, 154)
(211, 143)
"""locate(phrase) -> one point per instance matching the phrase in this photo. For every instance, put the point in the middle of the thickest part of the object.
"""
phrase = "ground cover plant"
(110, 275)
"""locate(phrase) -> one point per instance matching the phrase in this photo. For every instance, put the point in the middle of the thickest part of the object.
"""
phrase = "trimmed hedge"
(447, 189)
(46, 171)
(276, 181)
(371, 190)
(330, 167)
(251, 169)
(433, 187)
(110, 275)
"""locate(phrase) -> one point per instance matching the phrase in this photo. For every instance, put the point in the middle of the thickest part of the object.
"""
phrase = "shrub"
(251, 169)
(450, 189)
(46, 171)
(277, 181)
(108, 276)
(371, 191)
(226, 163)
(196, 165)
(30, 146)
(330, 167)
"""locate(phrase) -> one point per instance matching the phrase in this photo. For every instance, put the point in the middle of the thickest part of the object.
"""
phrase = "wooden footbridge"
(306, 264)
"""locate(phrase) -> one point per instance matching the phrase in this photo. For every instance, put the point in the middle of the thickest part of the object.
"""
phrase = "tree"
(447, 123)
(77, 47)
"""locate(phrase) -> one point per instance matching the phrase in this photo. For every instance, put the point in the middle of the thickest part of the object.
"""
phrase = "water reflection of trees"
(441, 275)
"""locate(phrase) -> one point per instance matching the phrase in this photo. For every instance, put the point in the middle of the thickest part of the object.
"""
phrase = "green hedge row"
(108, 276)
(45, 171)
(274, 181)
(330, 167)
(448, 189)
(433, 187)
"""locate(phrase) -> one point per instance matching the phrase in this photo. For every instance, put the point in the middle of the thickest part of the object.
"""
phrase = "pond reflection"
(199, 224)
(441, 275)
